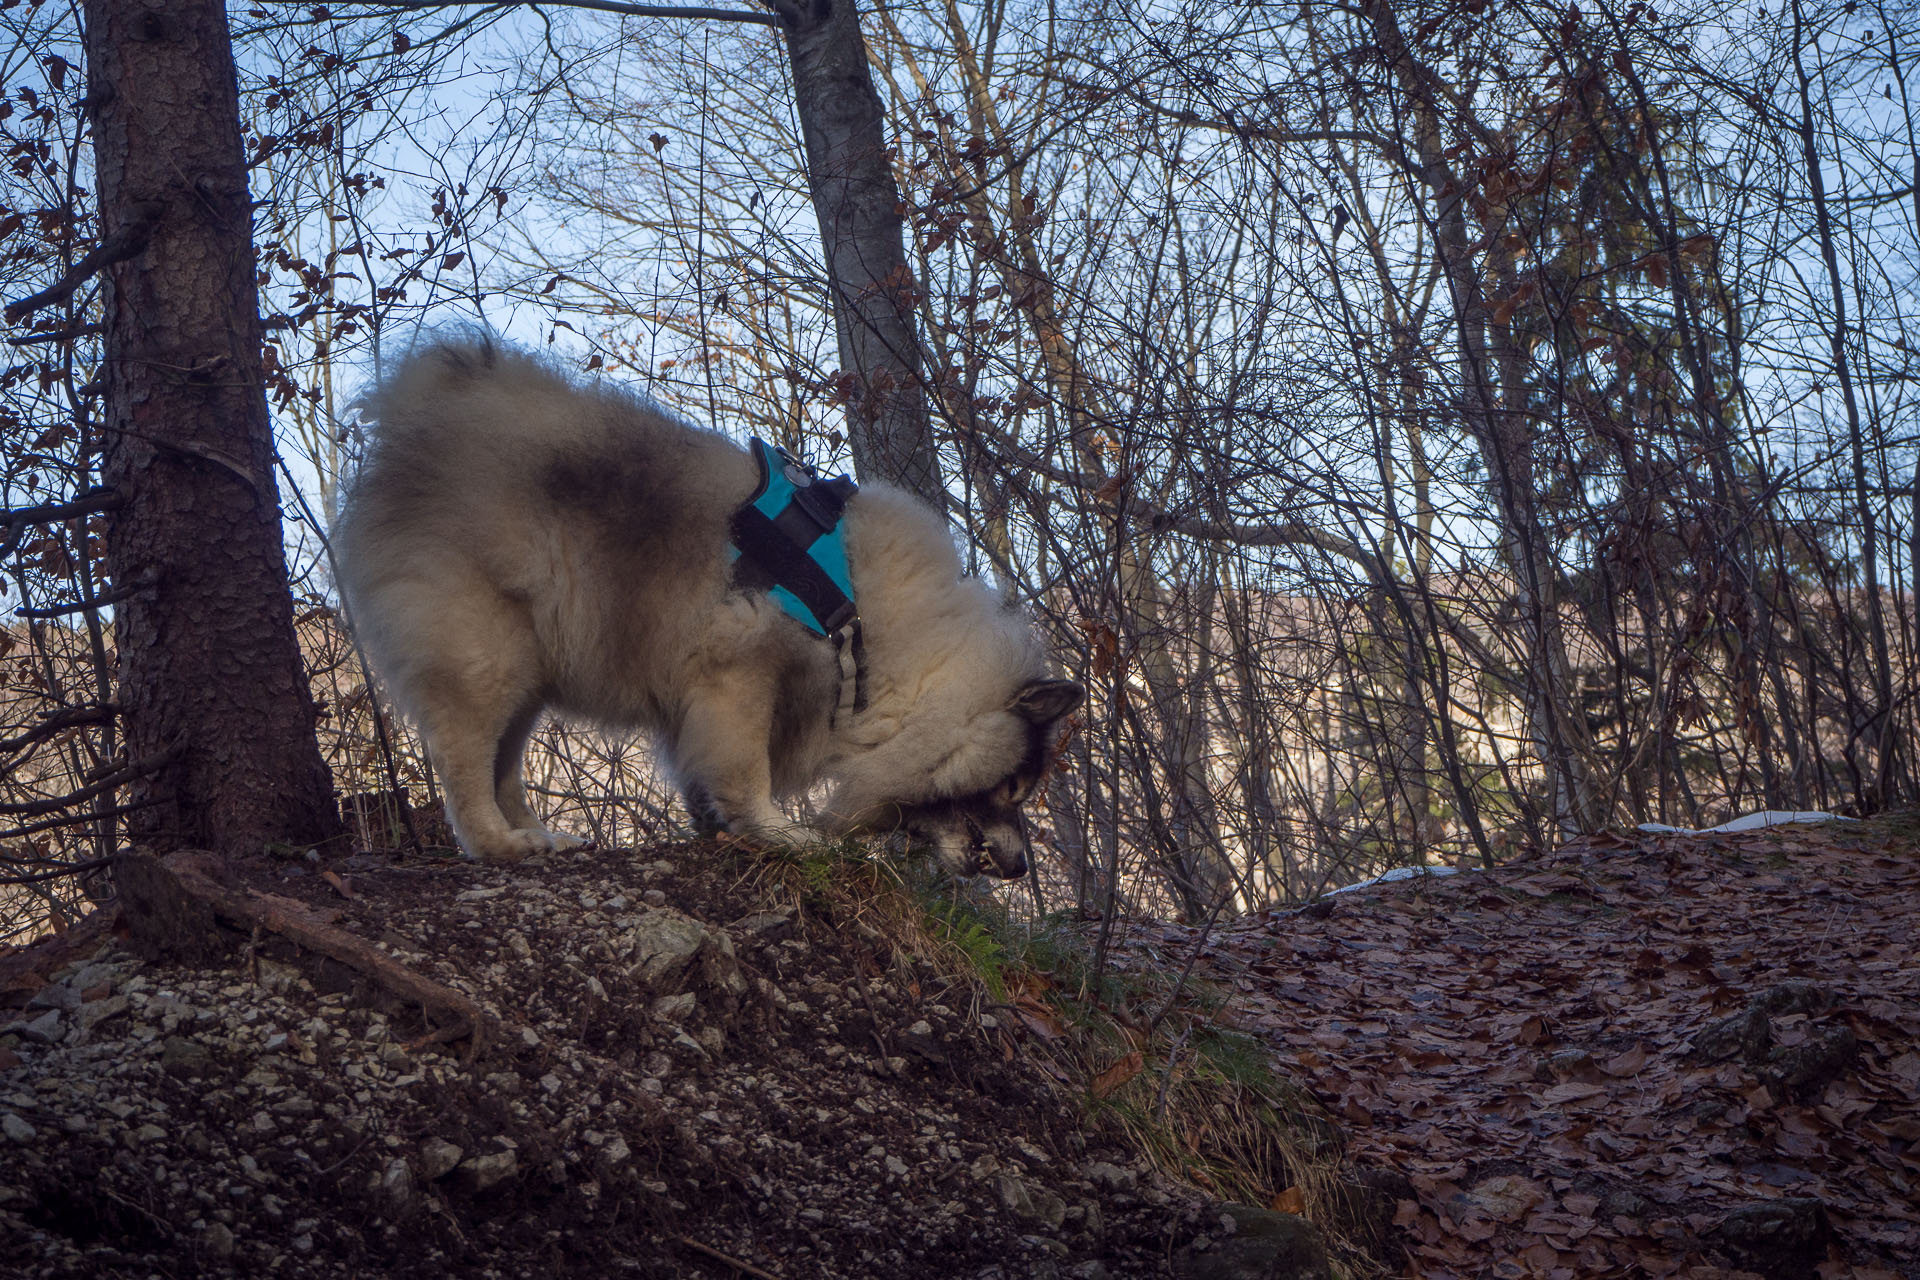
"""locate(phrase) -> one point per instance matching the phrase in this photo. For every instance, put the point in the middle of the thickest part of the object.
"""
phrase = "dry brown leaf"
(1118, 1074)
(1039, 1018)
(1627, 1063)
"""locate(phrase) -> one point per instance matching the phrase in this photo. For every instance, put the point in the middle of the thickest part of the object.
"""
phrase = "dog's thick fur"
(513, 542)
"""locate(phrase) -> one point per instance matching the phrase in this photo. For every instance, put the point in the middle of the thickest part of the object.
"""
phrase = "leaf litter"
(1643, 1055)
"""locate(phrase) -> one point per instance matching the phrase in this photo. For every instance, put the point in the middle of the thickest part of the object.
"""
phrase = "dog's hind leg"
(471, 692)
(510, 781)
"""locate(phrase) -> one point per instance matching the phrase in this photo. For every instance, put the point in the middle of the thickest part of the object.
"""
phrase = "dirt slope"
(695, 1073)
(1645, 1055)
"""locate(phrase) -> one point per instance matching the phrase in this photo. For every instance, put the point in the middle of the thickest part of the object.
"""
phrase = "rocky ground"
(694, 1070)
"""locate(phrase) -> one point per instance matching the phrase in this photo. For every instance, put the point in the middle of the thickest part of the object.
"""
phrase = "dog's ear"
(1044, 701)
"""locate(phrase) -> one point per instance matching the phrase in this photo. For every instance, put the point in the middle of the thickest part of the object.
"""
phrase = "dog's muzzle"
(968, 846)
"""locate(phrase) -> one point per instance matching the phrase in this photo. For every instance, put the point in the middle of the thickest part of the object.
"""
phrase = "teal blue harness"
(788, 540)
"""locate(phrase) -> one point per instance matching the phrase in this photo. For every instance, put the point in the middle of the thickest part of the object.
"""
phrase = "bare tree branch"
(602, 6)
(130, 238)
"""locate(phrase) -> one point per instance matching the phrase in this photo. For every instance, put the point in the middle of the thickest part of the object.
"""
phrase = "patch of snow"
(1388, 877)
(1751, 822)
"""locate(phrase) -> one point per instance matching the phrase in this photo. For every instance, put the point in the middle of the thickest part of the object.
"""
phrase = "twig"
(54, 872)
(604, 6)
(745, 1267)
(1166, 1077)
(99, 498)
(57, 721)
(129, 239)
(34, 808)
(161, 896)
(15, 522)
(1199, 945)
(76, 819)
(144, 582)
(56, 335)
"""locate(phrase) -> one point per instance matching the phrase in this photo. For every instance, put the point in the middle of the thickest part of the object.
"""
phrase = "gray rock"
(1807, 1068)
(482, 1172)
(45, 1029)
(671, 951)
(217, 1239)
(1777, 1236)
(1795, 997)
(919, 1040)
(183, 1056)
(1034, 1203)
(16, 1128)
(1747, 1035)
(55, 995)
(438, 1158)
(396, 1184)
(95, 1012)
(281, 978)
(1265, 1245)
(770, 926)
(673, 1008)
(96, 972)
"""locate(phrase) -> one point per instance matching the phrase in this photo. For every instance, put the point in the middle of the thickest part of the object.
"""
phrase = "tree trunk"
(1870, 723)
(211, 678)
(1503, 440)
(850, 173)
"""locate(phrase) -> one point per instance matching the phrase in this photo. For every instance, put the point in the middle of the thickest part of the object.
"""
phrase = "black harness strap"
(772, 555)
(788, 542)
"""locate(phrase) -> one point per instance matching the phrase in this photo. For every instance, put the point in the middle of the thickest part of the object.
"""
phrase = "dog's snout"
(970, 844)
(1010, 864)
(1003, 854)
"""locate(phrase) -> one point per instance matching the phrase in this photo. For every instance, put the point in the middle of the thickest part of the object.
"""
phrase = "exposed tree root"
(176, 907)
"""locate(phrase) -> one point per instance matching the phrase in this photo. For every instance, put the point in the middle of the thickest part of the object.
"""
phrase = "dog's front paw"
(527, 842)
(777, 833)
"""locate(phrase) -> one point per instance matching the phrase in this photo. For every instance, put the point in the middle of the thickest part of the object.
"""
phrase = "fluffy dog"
(513, 542)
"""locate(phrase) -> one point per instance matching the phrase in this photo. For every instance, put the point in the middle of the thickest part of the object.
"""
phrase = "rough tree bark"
(855, 197)
(211, 680)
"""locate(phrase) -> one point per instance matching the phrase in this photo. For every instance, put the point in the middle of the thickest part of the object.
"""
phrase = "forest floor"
(1660, 1055)
(1643, 1055)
